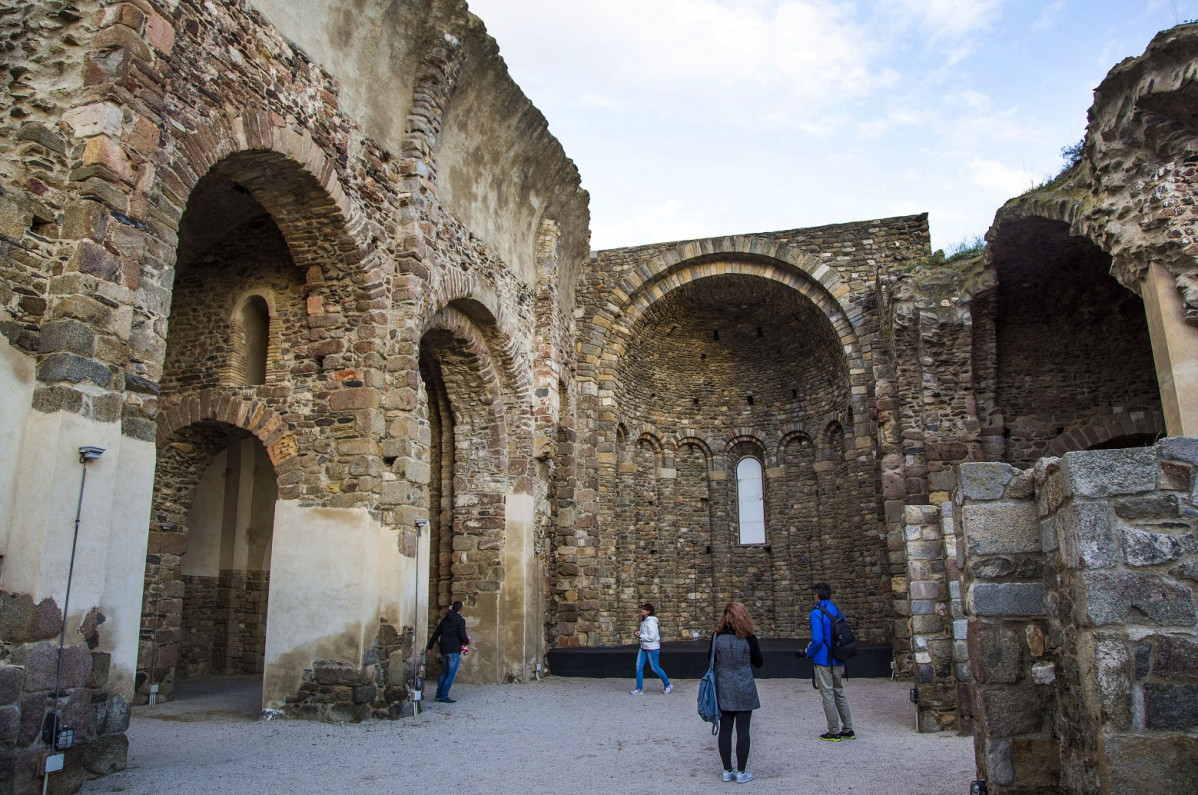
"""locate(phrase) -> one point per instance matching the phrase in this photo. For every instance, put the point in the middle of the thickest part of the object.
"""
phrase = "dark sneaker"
(848, 735)
(830, 737)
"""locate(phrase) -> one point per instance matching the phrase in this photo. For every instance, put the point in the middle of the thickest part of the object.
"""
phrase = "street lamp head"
(90, 453)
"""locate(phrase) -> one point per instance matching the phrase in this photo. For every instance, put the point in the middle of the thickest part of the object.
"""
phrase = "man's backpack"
(843, 641)
(709, 706)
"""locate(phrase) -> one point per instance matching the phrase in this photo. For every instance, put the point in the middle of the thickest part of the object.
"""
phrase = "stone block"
(1134, 598)
(73, 368)
(12, 678)
(1171, 706)
(1179, 448)
(991, 568)
(106, 754)
(984, 481)
(1010, 713)
(926, 589)
(1106, 473)
(67, 335)
(16, 614)
(995, 653)
(1007, 599)
(1037, 764)
(10, 726)
(1087, 538)
(1044, 673)
(101, 667)
(116, 715)
(1141, 548)
(921, 514)
(925, 550)
(1175, 658)
(995, 528)
(1000, 769)
(335, 672)
(1149, 506)
(1149, 763)
(1106, 679)
(33, 710)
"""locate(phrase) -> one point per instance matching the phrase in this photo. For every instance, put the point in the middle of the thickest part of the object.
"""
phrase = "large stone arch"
(718, 268)
(1053, 314)
(190, 436)
(477, 401)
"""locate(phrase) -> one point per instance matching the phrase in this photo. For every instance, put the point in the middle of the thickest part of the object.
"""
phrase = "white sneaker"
(742, 778)
(669, 689)
(729, 775)
(636, 692)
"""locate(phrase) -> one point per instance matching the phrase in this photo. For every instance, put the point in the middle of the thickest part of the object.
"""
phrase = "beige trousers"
(830, 681)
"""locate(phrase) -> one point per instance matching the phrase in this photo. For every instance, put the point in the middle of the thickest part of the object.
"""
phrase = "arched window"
(255, 322)
(750, 494)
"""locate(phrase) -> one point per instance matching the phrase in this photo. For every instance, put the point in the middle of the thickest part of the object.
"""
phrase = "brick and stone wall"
(761, 346)
(29, 671)
(1083, 630)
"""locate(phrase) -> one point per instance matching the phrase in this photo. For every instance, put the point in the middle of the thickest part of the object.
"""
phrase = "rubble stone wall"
(1083, 631)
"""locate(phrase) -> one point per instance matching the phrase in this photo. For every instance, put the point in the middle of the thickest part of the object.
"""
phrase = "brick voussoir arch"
(230, 408)
(678, 441)
(750, 435)
(464, 329)
(250, 147)
(1102, 429)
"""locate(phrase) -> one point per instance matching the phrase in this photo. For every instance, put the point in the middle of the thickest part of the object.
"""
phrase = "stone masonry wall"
(1083, 628)
(29, 638)
(679, 386)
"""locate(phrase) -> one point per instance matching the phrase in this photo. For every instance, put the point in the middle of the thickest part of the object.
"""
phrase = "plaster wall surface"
(16, 384)
(323, 569)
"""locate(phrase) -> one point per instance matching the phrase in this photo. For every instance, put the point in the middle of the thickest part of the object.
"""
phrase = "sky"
(697, 118)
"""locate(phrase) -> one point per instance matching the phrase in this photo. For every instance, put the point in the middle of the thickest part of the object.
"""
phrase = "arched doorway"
(1062, 353)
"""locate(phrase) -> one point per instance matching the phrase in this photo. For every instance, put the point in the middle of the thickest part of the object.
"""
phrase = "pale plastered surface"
(111, 549)
(1175, 349)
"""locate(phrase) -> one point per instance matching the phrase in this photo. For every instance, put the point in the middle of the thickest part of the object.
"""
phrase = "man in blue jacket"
(452, 634)
(829, 672)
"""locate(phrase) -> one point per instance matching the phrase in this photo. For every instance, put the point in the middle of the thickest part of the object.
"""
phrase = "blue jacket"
(820, 648)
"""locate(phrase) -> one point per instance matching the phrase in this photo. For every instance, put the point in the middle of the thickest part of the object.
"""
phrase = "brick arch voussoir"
(678, 441)
(473, 344)
(750, 435)
(634, 302)
(230, 408)
(655, 444)
(333, 241)
(792, 434)
(1098, 430)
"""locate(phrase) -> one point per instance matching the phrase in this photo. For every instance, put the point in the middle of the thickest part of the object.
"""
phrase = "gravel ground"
(558, 735)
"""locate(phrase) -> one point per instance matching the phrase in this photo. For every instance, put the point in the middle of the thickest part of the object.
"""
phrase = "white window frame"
(750, 502)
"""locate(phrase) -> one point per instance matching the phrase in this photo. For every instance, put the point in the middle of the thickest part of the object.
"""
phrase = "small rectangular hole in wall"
(750, 399)
(715, 335)
(759, 334)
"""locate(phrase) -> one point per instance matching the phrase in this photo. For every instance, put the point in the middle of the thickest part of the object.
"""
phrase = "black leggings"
(742, 738)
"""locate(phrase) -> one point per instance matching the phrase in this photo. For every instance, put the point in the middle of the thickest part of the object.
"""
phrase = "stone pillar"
(1014, 740)
(1175, 349)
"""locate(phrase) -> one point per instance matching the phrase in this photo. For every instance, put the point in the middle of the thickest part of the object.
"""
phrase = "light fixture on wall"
(59, 737)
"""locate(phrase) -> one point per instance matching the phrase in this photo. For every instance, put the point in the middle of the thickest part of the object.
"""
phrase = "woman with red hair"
(736, 649)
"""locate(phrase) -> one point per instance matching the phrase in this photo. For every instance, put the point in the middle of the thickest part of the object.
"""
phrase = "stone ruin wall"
(116, 113)
(679, 417)
(1080, 580)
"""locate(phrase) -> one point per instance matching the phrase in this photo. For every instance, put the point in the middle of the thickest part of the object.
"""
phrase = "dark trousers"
(741, 719)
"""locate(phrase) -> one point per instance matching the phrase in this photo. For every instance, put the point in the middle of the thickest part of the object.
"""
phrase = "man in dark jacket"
(829, 671)
(452, 633)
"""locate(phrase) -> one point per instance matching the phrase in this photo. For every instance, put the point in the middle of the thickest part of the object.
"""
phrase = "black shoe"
(448, 700)
(830, 737)
(848, 735)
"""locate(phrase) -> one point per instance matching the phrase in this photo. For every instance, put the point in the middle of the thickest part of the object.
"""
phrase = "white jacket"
(650, 634)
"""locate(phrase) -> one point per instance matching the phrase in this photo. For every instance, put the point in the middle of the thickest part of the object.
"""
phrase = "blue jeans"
(652, 654)
(449, 669)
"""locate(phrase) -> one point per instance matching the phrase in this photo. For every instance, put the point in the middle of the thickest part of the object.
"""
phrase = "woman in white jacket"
(650, 637)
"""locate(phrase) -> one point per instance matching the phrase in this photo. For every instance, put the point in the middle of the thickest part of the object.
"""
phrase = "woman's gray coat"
(735, 687)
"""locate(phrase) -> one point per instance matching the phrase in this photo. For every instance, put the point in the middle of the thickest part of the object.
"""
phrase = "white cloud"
(667, 221)
(950, 19)
(998, 177)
